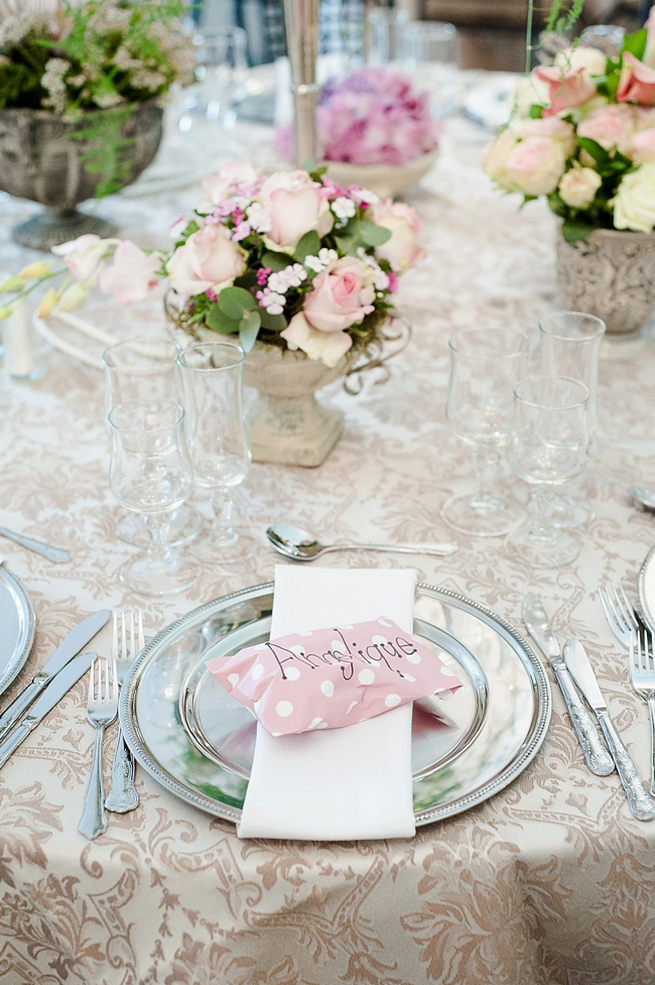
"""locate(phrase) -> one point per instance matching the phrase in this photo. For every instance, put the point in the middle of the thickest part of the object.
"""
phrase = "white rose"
(592, 60)
(634, 202)
(578, 187)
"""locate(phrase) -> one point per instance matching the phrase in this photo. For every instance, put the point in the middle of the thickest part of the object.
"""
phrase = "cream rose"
(634, 202)
(208, 259)
(296, 205)
(328, 347)
(403, 249)
(578, 187)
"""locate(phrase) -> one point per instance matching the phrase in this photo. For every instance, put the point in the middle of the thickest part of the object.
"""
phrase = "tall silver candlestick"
(301, 22)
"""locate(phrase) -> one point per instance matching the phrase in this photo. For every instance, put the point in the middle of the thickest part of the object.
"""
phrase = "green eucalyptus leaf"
(575, 229)
(234, 301)
(276, 261)
(636, 43)
(218, 321)
(248, 329)
(371, 234)
(308, 246)
(274, 323)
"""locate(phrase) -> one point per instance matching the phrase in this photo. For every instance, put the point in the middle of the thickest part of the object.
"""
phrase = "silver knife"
(594, 750)
(53, 693)
(69, 646)
(640, 802)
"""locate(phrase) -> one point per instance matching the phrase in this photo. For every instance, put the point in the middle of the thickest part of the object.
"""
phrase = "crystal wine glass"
(570, 344)
(548, 447)
(220, 453)
(147, 369)
(484, 367)
(150, 474)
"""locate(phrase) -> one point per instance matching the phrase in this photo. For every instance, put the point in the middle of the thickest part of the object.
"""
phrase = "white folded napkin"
(345, 783)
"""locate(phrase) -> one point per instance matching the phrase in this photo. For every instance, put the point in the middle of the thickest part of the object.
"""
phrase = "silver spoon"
(46, 550)
(303, 546)
(641, 497)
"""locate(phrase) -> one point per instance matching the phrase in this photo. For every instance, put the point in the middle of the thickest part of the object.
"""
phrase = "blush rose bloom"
(296, 205)
(230, 179)
(535, 166)
(132, 275)
(341, 295)
(634, 202)
(579, 186)
(610, 126)
(208, 259)
(328, 347)
(403, 248)
(642, 147)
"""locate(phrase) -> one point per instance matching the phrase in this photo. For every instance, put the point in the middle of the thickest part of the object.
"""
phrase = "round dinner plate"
(646, 588)
(195, 740)
(18, 624)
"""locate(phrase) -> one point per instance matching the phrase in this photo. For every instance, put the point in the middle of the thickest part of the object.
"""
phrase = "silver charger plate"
(646, 589)
(18, 624)
(486, 738)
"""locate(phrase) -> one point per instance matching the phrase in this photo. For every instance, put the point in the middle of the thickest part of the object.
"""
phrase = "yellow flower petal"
(37, 269)
(47, 304)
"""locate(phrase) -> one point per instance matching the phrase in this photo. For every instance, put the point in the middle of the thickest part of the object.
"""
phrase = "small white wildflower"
(278, 282)
(343, 208)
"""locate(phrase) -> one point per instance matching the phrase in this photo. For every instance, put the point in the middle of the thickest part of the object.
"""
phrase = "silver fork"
(619, 613)
(123, 796)
(101, 711)
(642, 678)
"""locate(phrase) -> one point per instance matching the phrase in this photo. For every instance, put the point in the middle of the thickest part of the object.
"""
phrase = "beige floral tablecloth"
(550, 882)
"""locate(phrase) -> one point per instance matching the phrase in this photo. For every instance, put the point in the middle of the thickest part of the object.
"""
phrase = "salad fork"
(642, 678)
(101, 710)
(619, 613)
(123, 796)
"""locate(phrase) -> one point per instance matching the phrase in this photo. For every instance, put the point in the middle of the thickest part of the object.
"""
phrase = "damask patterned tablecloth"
(550, 882)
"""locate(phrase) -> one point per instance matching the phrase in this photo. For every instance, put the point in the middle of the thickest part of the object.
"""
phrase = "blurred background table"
(550, 881)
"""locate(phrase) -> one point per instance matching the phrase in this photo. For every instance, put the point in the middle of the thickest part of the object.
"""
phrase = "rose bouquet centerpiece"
(289, 259)
(582, 134)
(374, 119)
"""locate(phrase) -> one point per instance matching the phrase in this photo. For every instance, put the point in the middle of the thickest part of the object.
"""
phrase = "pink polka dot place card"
(332, 677)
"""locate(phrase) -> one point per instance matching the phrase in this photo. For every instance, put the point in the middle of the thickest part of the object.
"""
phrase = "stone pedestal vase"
(286, 423)
(42, 161)
(611, 274)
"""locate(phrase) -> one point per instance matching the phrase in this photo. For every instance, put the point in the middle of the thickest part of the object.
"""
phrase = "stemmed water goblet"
(143, 369)
(570, 344)
(484, 367)
(548, 447)
(220, 453)
(150, 474)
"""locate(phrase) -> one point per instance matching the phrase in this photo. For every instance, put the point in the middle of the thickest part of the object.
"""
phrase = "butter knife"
(69, 646)
(640, 802)
(594, 750)
(54, 692)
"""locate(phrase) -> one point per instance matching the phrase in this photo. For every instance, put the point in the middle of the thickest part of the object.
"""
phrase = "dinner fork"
(642, 678)
(619, 613)
(101, 710)
(123, 796)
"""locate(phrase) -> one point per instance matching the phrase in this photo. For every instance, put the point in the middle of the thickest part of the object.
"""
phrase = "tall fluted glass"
(548, 447)
(220, 453)
(485, 365)
(150, 474)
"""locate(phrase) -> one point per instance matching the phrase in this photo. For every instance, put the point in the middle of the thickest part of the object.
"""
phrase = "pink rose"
(403, 249)
(643, 146)
(132, 275)
(578, 187)
(610, 126)
(535, 166)
(208, 259)
(341, 295)
(296, 205)
(82, 255)
(637, 82)
(329, 347)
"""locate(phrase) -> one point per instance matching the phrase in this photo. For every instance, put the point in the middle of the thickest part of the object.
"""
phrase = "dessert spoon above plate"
(300, 545)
